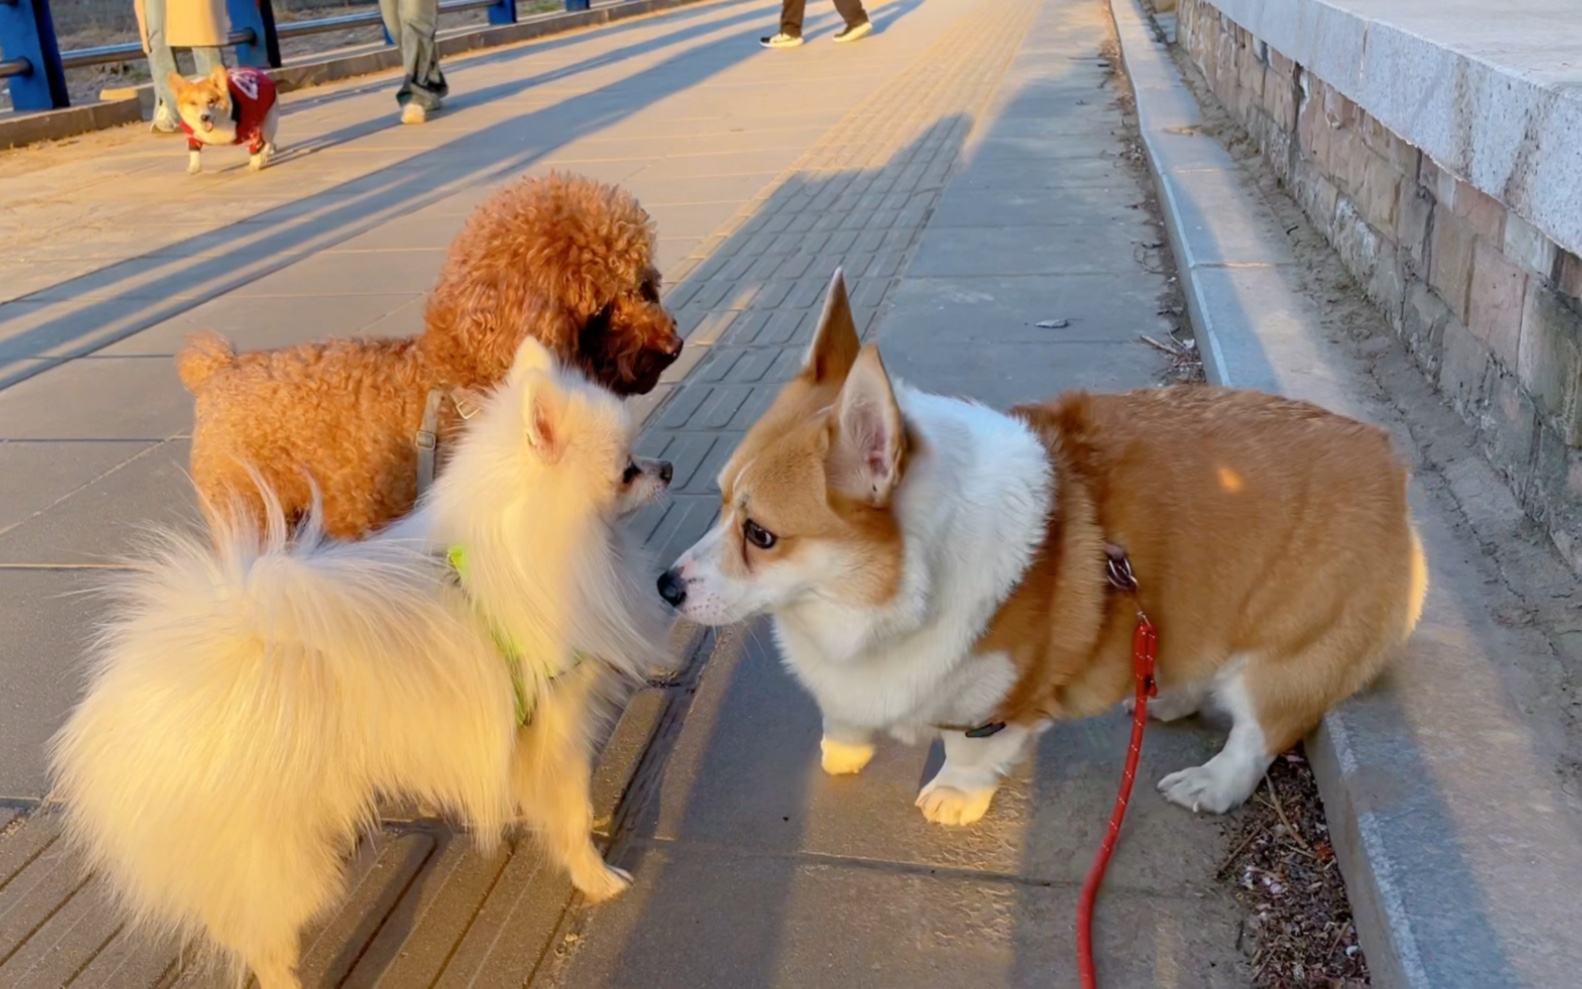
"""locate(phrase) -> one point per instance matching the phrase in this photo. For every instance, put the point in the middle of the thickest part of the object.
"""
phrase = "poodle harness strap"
(456, 556)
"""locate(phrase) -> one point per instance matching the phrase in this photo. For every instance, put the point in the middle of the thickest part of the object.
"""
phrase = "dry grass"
(1283, 869)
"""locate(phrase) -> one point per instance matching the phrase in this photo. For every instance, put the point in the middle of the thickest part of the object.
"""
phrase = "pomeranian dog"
(228, 106)
(250, 702)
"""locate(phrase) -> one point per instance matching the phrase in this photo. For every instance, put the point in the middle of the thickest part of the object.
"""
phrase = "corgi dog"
(933, 567)
(249, 704)
(228, 106)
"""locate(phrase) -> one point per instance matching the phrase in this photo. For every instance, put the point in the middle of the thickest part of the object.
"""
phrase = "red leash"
(1145, 647)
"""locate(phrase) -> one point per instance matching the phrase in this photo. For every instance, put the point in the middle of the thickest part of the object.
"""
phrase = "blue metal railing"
(34, 67)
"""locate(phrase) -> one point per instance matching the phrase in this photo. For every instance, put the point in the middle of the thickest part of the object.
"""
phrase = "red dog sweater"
(252, 96)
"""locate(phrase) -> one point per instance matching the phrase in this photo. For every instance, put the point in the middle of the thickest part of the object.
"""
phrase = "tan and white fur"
(205, 107)
(249, 703)
(931, 564)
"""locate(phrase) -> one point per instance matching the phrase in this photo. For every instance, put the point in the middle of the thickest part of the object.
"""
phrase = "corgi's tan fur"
(930, 563)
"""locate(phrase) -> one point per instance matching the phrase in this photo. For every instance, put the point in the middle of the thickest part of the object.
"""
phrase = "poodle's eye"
(630, 473)
(649, 291)
(758, 535)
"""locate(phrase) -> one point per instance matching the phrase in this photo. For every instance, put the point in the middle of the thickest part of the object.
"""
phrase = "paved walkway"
(964, 165)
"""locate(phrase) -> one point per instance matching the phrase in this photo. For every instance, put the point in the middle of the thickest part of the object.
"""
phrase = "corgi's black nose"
(672, 588)
(666, 471)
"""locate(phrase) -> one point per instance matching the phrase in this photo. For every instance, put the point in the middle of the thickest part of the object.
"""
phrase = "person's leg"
(206, 60)
(791, 14)
(857, 25)
(426, 84)
(790, 33)
(161, 63)
(851, 12)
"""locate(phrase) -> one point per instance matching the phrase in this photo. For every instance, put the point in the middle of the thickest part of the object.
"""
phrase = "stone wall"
(1488, 305)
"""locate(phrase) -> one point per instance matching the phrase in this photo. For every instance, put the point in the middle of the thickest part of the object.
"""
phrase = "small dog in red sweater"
(228, 106)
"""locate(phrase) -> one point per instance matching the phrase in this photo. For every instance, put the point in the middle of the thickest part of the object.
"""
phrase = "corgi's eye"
(758, 535)
(630, 473)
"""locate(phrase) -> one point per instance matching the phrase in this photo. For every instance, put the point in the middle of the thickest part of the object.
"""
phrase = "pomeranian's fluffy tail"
(206, 352)
(248, 699)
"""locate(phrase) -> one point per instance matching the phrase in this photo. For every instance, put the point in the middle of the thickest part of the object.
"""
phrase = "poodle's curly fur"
(562, 258)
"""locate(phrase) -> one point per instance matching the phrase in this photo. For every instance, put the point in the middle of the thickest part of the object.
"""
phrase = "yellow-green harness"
(456, 556)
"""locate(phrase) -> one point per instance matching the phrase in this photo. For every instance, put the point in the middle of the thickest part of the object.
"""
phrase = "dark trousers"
(791, 14)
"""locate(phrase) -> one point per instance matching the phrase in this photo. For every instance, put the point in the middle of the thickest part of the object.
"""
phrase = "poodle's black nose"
(672, 588)
(667, 470)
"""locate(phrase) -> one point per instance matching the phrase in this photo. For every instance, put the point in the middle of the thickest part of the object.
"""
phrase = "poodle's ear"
(544, 414)
(835, 342)
(531, 356)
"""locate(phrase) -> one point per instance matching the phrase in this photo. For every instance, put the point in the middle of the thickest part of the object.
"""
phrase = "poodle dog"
(563, 259)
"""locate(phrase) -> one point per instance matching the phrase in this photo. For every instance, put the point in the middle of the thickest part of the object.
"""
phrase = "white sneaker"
(855, 32)
(781, 40)
(164, 122)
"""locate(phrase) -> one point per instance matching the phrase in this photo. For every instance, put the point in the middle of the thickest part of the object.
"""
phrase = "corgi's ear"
(220, 78)
(869, 453)
(835, 342)
(544, 415)
(531, 356)
(178, 83)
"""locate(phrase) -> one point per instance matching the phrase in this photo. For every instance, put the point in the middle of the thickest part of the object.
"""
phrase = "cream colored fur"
(249, 703)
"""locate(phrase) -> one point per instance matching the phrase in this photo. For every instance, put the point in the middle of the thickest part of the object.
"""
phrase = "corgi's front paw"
(255, 163)
(946, 804)
(194, 163)
(608, 883)
(842, 758)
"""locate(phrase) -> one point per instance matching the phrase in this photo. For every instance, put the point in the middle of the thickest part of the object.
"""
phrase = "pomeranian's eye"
(630, 473)
(758, 535)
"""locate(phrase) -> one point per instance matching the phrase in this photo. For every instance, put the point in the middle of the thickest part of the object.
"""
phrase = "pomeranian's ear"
(220, 78)
(543, 414)
(178, 83)
(531, 356)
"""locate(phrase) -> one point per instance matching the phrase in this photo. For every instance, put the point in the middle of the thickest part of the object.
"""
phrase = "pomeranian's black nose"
(666, 471)
(672, 588)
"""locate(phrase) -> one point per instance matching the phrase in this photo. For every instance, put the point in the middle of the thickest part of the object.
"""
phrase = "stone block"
(1481, 211)
(1378, 187)
(1413, 208)
(1511, 428)
(1495, 306)
(1528, 246)
(1568, 275)
(1464, 370)
(1281, 65)
(1340, 110)
(1549, 360)
(1450, 260)
(1279, 100)
(1423, 321)
(1557, 493)
(1428, 176)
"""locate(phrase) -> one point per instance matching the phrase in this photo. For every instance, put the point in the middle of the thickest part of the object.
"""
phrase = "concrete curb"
(53, 125)
(1245, 314)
